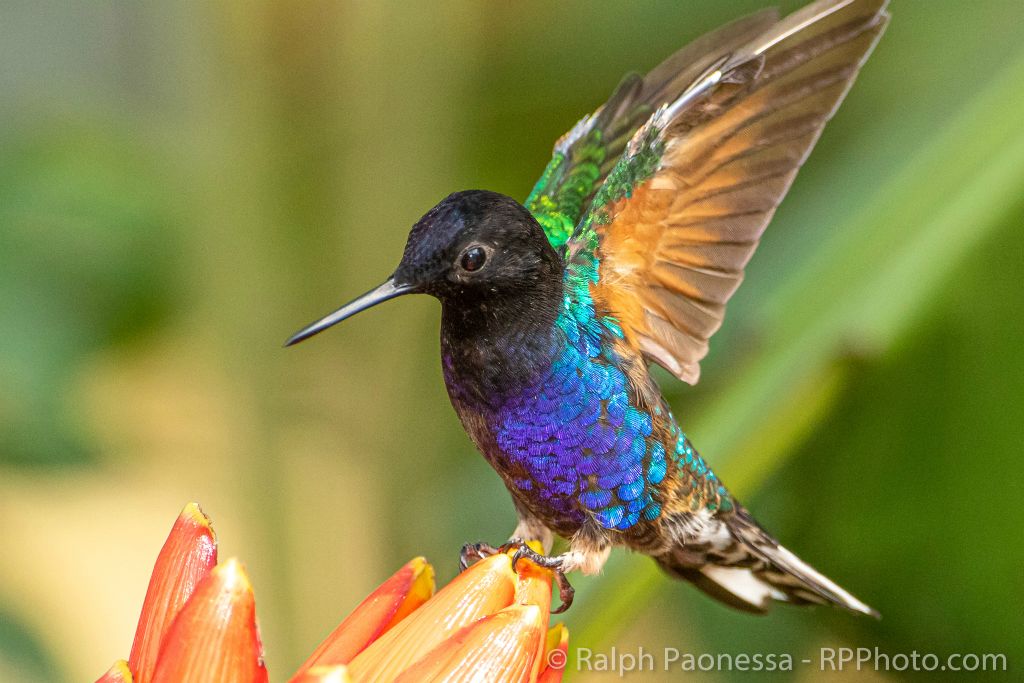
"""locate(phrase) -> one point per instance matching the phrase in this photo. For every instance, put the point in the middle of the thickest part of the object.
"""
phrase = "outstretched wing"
(679, 215)
(585, 155)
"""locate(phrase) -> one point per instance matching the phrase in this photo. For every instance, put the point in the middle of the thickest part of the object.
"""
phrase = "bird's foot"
(555, 564)
(474, 552)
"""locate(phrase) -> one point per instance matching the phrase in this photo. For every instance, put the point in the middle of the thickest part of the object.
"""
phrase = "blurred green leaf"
(23, 655)
(86, 258)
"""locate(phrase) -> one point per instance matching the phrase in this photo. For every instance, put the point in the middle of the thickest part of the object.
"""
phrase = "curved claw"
(565, 593)
(473, 552)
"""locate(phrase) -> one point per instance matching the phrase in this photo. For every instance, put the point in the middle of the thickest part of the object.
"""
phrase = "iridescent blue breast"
(576, 443)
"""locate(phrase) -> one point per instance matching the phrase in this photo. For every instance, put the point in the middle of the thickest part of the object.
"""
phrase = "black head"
(476, 251)
(476, 244)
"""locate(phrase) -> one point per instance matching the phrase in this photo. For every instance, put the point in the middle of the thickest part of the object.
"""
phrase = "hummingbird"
(624, 255)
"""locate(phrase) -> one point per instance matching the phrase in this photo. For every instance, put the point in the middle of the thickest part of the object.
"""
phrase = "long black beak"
(388, 290)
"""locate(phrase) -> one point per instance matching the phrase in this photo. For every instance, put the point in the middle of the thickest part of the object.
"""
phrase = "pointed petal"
(484, 588)
(119, 673)
(215, 637)
(188, 555)
(324, 674)
(393, 600)
(499, 648)
(555, 655)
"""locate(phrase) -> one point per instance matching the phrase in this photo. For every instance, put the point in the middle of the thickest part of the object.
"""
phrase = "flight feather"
(671, 184)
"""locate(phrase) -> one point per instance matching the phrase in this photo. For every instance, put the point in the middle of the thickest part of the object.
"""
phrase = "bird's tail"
(755, 570)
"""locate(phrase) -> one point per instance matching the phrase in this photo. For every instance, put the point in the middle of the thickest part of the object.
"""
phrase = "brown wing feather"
(630, 105)
(673, 253)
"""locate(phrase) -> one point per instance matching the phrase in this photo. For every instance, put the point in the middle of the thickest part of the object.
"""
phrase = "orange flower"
(198, 620)
(188, 556)
(198, 623)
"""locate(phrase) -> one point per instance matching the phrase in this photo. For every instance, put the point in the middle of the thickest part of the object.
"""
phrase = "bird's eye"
(473, 259)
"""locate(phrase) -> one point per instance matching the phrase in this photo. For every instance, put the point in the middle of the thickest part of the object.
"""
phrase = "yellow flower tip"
(324, 674)
(421, 589)
(119, 673)
(417, 564)
(556, 653)
(233, 577)
(194, 514)
(185, 560)
(557, 635)
(389, 604)
(422, 573)
(485, 588)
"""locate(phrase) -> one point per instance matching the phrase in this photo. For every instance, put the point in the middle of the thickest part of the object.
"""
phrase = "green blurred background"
(183, 185)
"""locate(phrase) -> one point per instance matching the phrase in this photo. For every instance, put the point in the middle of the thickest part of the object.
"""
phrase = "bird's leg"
(588, 551)
(532, 529)
(529, 528)
(557, 564)
(473, 552)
